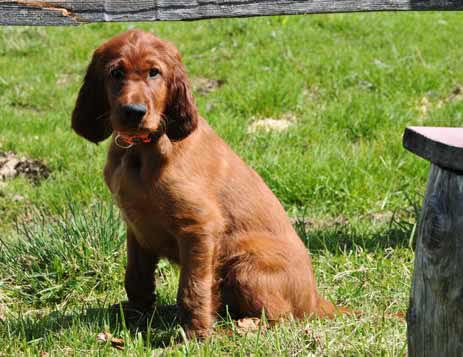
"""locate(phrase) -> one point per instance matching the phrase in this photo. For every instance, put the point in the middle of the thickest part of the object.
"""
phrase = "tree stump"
(435, 312)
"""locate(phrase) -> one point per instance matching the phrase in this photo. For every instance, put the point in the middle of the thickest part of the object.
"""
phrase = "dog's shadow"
(344, 237)
(159, 327)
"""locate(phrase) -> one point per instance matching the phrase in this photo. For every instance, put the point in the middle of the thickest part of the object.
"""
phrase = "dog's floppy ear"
(181, 112)
(90, 115)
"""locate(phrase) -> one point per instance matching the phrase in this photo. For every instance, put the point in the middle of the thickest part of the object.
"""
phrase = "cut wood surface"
(441, 146)
(74, 12)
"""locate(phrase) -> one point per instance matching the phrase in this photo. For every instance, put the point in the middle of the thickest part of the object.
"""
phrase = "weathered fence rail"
(75, 12)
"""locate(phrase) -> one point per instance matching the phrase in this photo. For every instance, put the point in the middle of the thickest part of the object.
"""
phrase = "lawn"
(347, 85)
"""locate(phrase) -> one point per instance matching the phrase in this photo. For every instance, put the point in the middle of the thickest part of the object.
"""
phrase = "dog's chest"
(135, 181)
(134, 184)
(132, 175)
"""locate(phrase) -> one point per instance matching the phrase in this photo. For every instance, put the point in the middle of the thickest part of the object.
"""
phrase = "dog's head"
(136, 85)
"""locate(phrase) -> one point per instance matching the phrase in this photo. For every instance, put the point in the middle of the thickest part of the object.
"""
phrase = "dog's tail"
(327, 309)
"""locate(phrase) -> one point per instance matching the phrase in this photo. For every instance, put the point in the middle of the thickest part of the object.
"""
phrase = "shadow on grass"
(370, 232)
(345, 237)
(162, 321)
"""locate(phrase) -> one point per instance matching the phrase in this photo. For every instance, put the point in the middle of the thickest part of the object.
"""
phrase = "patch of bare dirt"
(381, 217)
(271, 124)
(432, 101)
(65, 79)
(457, 94)
(317, 337)
(12, 165)
(205, 86)
(2, 313)
(316, 224)
(312, 94)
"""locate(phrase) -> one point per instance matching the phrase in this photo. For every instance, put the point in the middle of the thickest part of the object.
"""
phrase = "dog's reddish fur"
(189, 197)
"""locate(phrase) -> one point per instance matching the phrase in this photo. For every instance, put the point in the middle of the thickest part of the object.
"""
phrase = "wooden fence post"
(435, 313)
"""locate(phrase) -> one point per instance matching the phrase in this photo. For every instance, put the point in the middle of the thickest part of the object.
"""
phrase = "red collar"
(127, 141)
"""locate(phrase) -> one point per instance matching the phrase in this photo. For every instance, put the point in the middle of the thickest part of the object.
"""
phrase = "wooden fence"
(75, 12)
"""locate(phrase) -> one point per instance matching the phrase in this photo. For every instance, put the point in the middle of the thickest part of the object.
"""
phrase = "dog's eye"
(117, 73)
(154, 72)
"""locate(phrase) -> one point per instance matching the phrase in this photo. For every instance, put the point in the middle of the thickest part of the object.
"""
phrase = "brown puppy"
(185, 195)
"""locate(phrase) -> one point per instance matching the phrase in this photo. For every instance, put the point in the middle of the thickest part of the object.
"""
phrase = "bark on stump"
(435, 312)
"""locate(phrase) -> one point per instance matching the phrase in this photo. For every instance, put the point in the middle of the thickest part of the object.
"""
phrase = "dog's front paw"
(194, 333)
(195, 328)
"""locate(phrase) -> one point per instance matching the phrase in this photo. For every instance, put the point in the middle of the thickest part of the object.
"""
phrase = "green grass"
(352, 82)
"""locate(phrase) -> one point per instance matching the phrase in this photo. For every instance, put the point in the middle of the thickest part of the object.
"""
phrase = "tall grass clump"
(59, 258)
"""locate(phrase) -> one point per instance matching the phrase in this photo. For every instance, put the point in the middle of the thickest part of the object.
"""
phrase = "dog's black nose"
(134, 113)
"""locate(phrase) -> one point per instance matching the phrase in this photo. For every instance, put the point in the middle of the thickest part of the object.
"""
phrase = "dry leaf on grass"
(43, 354)
(104, 337)
(249, 325)
(117, 343)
